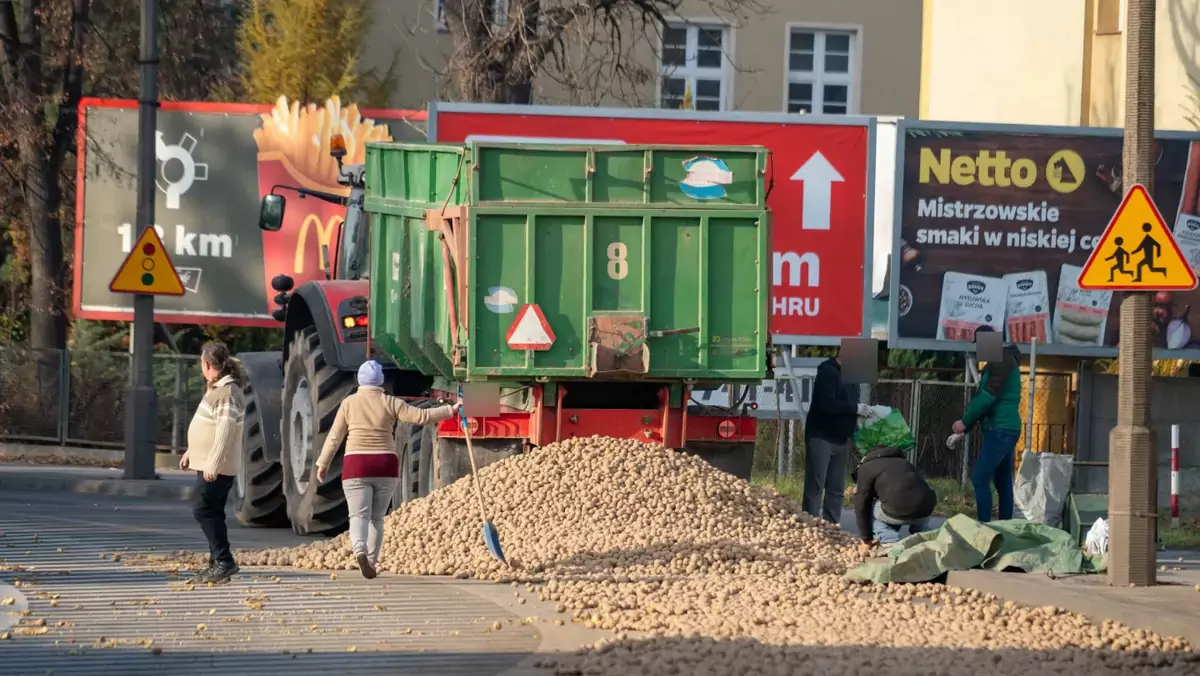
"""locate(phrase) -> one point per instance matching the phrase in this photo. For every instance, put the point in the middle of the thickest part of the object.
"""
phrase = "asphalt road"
(69, 608)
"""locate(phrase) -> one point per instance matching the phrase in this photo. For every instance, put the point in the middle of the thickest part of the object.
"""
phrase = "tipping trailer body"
(646, 267)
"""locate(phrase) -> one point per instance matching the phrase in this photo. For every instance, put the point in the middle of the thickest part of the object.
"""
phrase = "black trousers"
(209, 510)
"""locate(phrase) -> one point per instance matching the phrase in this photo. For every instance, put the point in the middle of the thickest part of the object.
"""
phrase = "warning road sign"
(530, 331)
(147, 269)
(1137, 252)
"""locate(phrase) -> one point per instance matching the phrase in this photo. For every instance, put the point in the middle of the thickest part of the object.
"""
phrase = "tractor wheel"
(312, 393)
(258, 496)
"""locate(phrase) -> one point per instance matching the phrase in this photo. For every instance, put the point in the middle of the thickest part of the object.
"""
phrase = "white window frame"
(689, 71)
(499, 15)
(819, 78)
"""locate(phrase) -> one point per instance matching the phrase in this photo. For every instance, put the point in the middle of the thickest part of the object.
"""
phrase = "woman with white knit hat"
(371, 466)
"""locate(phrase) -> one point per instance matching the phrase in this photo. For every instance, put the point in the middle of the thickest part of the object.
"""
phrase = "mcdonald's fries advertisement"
(994, 225)
(214, 162)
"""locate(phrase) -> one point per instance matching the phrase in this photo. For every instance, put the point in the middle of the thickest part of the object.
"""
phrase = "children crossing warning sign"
(147, 269)
(1137, 252)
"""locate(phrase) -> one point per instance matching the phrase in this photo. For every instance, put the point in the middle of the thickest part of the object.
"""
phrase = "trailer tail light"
(354, 321)
(726, 429)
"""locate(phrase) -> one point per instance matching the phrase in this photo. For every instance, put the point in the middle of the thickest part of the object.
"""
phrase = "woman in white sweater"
(214, 451)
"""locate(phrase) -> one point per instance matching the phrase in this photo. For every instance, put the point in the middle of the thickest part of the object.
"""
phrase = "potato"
(716, 577)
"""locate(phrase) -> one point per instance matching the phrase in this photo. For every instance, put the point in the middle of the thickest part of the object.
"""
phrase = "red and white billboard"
(820, 201)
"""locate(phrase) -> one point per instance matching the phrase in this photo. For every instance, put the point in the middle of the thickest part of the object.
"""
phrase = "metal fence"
(78, 398)
(932, 406)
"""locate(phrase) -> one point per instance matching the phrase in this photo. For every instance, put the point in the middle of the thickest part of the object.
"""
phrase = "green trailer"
(575, 290)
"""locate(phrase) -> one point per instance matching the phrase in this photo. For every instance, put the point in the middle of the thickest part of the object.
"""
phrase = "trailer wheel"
(416, 456)
(258, 496)
(312, 392)
(732, 458)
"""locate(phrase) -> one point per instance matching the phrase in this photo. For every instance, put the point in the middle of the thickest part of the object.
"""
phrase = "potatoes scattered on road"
(718, 576)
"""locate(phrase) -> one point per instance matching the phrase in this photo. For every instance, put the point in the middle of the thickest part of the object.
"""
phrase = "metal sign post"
(141, 400)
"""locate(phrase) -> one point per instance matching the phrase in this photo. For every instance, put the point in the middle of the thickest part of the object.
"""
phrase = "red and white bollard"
(1175, 476)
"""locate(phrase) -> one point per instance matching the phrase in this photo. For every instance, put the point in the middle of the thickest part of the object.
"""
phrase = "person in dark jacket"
(997, 409)
(890, 495)
(832, 417)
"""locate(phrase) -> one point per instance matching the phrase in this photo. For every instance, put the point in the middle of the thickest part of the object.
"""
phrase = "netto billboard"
(994, 223)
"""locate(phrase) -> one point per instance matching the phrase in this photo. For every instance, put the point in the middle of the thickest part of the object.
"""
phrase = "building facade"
(799, 56)
(1057, 63)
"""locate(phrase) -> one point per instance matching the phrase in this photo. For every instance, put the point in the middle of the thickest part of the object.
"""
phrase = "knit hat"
(370, 373)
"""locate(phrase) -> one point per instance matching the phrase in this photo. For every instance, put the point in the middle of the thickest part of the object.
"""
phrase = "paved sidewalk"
(1172, 608)
(172, 484)
(89, 614)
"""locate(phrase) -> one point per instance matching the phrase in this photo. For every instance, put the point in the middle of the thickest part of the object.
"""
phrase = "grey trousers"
(367, 501)
(824, 479)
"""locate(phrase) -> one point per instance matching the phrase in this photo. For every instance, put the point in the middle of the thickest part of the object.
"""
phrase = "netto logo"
(976, 287)
(1025, 284)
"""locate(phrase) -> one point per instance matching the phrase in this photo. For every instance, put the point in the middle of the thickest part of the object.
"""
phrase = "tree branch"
(10, 36)
(63, 137)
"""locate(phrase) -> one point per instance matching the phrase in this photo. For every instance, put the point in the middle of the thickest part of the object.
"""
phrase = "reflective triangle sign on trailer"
(530, 330)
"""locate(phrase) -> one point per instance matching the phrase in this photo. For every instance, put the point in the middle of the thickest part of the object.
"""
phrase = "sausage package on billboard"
(968, 302)
(1028, 307)
(1079, 316)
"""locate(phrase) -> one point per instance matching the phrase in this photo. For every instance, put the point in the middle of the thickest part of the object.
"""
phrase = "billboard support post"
(141, 400)
(1133, 465)
(1032, 391)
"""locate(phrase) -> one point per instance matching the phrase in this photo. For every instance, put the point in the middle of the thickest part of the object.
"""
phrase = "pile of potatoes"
(697, 572)
(596, 509)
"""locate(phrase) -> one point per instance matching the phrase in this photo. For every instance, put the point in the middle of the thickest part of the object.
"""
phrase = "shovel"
(490, 537)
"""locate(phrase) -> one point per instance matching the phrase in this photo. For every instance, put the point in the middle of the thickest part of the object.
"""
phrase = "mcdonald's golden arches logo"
(325, 233)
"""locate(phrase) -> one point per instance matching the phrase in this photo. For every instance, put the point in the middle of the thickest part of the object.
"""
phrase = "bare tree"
(590, 47)
(52, 54)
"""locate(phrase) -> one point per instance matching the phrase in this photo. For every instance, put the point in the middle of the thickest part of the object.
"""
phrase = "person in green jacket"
(997, 408)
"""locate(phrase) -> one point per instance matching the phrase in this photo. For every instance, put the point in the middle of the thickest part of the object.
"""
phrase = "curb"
(144, 488)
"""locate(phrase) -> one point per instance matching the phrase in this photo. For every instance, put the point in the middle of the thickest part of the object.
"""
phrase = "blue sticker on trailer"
(706, 178)
(500, 299)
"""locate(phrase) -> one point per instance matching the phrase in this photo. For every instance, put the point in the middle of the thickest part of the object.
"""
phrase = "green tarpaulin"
(963, 543)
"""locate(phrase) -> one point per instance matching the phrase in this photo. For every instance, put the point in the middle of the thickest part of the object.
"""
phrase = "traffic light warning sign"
(147, 269)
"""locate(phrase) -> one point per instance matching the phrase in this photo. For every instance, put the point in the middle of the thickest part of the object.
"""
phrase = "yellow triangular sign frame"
(1136, 228)
(148, 273)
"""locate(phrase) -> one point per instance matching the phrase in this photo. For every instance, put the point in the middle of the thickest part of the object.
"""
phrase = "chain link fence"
(931, 407)
(75, 398)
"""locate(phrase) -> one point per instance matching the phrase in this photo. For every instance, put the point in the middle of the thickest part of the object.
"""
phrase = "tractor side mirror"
(270, 213)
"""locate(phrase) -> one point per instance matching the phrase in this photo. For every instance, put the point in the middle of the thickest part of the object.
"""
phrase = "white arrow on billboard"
(818, 177)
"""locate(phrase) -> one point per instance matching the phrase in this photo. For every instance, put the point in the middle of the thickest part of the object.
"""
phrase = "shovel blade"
(492, 539)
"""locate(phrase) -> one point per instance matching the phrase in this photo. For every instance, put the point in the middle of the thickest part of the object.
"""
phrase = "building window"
(692, 65)
(820, 75)
(439, 16)
(1110, 16)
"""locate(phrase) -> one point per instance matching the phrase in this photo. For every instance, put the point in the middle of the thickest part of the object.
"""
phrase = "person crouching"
(371, 466)
(890, 495)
